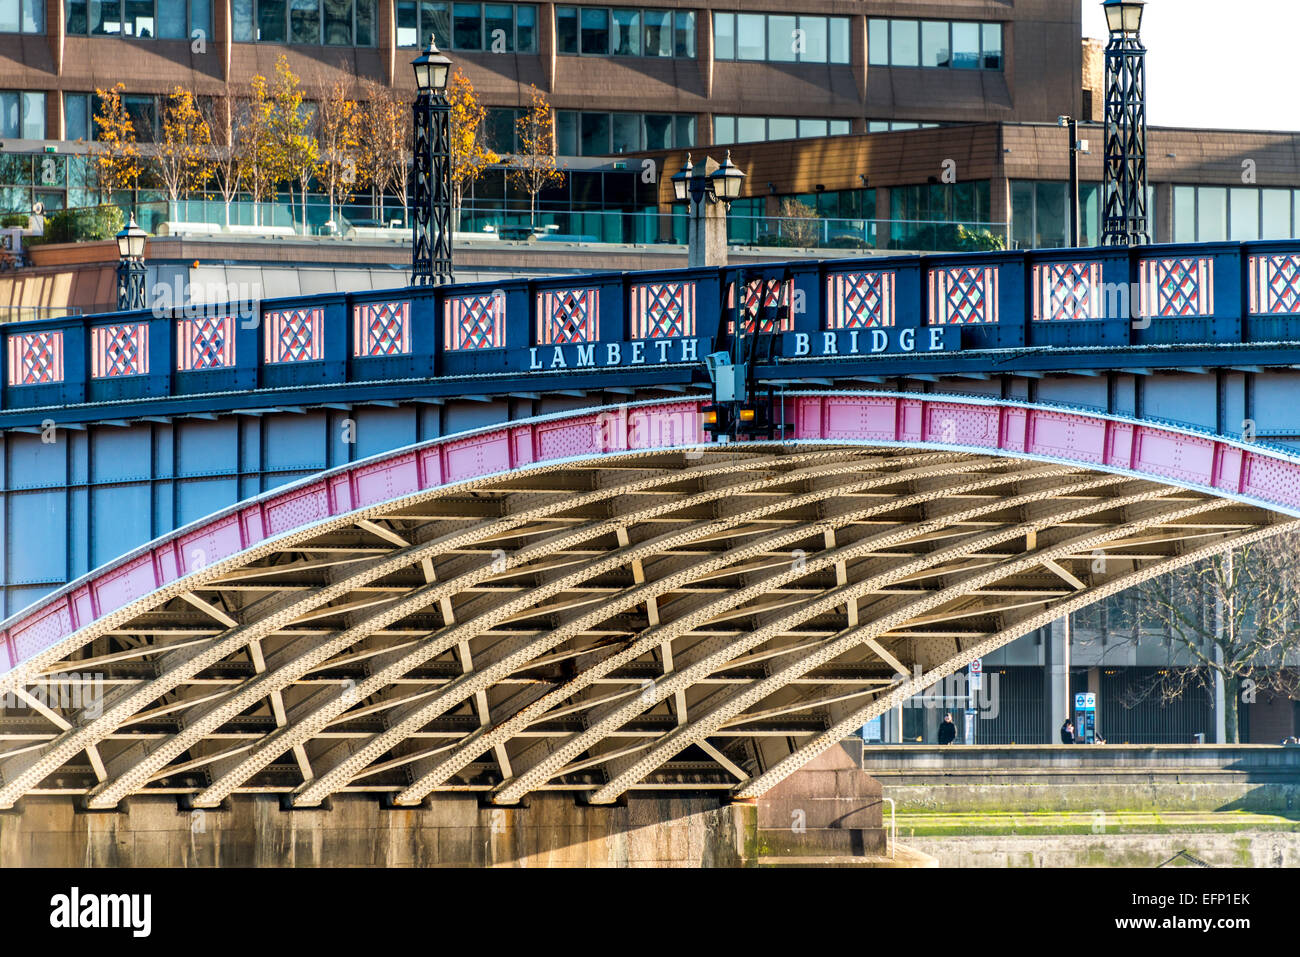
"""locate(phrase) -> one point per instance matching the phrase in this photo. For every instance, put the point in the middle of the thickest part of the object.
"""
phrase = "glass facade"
(22, 16)
(758, 129)
(935, 44)
(1238, 213)
(1040, 214)
(307, 22)
(604, 134)
(494, 27)
(79, 116)
(780, 38)
(143, 19)
(617, 31)
(893, 126)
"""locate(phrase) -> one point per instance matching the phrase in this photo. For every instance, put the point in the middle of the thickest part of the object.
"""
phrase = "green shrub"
(848, 242)
(81, 225)
(13, 219)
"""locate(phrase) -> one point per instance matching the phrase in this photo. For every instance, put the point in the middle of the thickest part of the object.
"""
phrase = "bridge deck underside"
(687, 620)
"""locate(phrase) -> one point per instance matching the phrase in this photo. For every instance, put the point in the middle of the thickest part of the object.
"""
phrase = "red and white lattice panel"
(1177, 288)
(474, 322)
(206, 343)
(1067, 291)
(120, 350)
(663, 310)
(1275, 285)
(568, 316)
(964, 296)
(295, 335)
(35, 358)
(860, 300)
(766, 306)
(381, 329)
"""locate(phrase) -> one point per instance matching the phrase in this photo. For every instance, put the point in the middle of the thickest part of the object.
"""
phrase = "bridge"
(476, 539)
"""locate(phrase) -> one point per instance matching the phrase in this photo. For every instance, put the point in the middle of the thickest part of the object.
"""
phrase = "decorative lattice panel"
(295, 335)
(206, 343)
(1275, 285)
(1177, 288)
(860, 300)
(568, 315)
(35, 358)
(1068, 291)
(381, 329)
(474, 322)
(119, 350)
(761, 297)
(663, 310)
(965, 295)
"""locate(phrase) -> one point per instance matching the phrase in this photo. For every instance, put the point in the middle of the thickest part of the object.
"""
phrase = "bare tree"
(385, 142)
(224, 114)
(1235, 616)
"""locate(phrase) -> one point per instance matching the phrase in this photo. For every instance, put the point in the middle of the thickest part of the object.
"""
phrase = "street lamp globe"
(682, 180)
(1124, 16)
(431, 69)
(130, 241)
(727, 180)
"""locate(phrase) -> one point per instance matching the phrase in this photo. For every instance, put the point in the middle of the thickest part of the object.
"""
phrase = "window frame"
(642, 46)
(982, 56)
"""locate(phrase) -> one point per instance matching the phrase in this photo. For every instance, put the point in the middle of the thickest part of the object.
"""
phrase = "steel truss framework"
(656, 616)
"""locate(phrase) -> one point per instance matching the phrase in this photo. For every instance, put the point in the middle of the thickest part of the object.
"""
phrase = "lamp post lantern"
(431, 171)
(708, 191)
(130, 267)
(1124, 217)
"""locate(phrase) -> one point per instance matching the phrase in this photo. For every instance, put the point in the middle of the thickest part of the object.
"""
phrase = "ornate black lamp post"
(1124, 221)
(130, 267)
(431, 171)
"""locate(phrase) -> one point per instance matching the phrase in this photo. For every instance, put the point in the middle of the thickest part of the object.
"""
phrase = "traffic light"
(717, 419)
(751, 419)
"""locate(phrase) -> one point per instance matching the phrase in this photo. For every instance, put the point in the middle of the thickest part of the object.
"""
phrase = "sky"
(1233, 71)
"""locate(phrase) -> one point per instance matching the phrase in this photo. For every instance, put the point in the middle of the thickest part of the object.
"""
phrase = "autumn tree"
(338, 133)
(385, 147)
(533, 168)
(223, 114)
(292, 148)
(184, 157)
(1234, 617)
(469, 156)
(254, 146)
(117, 154)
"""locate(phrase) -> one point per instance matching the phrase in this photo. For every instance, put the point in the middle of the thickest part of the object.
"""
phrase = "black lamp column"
(431, 171)
(1124, 220)
(130, 267)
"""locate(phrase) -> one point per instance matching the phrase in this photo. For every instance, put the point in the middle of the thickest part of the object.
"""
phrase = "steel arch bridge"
(602, 602)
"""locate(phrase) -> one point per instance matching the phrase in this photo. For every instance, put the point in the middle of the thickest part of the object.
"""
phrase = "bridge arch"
(601, 601)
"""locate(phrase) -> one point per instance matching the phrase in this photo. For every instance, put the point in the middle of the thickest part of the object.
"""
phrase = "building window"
(309, 22)
(605, 31)
(22, 115)
(143, 19)
(780, 38)
(491, 27)
(1040, 214)
(758, 129)
(935, 44)
(894, 126)
(605, 134)
(22, 16)
(1208, 214)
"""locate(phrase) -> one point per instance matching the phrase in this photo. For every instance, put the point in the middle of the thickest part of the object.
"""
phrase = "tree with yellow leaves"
(253, 145)
(338, 121)
(117, 155)
(184, 158)
(533, 168)
(292, 149)
(469, 156)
